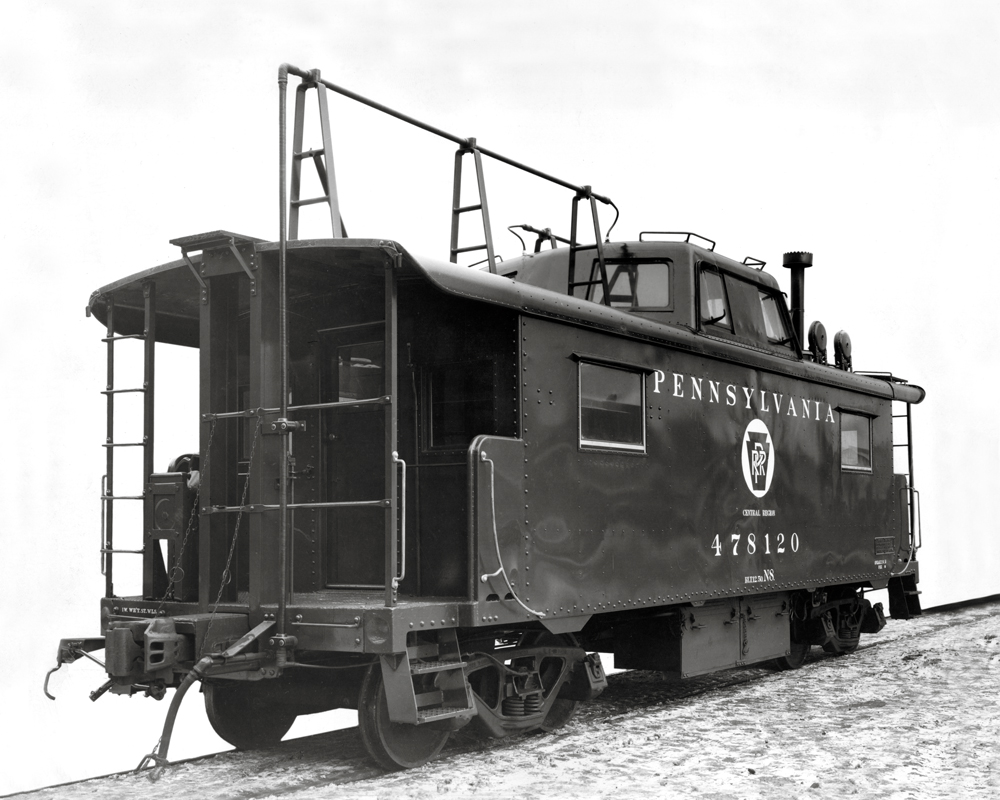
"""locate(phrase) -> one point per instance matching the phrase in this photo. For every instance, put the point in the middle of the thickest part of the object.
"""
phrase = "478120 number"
(753, 543)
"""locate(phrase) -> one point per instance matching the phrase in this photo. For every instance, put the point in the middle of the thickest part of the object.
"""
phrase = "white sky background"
(865, 132)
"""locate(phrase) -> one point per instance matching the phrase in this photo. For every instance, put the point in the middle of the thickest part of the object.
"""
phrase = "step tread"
(419, 667)
(429, 714)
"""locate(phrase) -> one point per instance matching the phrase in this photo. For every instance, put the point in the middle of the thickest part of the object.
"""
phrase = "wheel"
(242, 716)
(393, 745)
(560, 713)
(795, 659)
(841, 647)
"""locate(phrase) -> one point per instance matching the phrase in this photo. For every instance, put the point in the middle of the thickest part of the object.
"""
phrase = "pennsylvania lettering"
(762, 401)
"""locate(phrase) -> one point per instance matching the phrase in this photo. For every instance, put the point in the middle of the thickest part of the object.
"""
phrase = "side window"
(636, 286)
(855, 442)
(458, 404)
(359, 370)
(611, 403)
(774, 323)
(714, 307)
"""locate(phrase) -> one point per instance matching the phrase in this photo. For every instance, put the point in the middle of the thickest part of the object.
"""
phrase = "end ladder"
(154, 573)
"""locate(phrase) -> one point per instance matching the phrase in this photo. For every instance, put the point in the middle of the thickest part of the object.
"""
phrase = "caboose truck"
(497, 473)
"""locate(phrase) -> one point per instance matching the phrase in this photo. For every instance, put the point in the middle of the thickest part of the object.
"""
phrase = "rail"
(466, 146)
(485, 577)
(910, 496)
(402, 533)
(253, 412)
(314, 76)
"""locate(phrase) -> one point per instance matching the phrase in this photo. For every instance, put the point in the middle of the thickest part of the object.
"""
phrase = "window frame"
(789, 342)
(705, 268)
(631, 266)
(745, 321)
(343, 398)
(869, 418)
(601, 445)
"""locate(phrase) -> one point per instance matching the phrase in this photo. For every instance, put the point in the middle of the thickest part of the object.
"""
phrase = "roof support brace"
(457, 209)
(214, 240)
(592, 278)
(322, 158)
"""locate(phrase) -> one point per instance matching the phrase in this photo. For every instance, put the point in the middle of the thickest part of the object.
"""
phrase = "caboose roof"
(178, 302)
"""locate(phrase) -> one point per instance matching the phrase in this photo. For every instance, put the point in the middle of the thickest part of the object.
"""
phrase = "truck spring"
(533, 704)
(513, 707)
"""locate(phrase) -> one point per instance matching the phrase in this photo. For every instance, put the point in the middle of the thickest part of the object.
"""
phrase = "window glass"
(611, 408)
(643, 285)
(773, 322)
(460, 404)
(855, 442)
(359, 368)
(714, 310)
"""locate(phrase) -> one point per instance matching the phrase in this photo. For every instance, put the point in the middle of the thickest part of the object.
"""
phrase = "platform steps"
(427, 684)
(904, 597)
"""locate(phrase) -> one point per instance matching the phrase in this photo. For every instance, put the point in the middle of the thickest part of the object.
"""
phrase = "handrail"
(104, 541)
(484, 578)
(254, 508)
(283, 353)
(381, 400)
(313, 75)
(402, 545)
(915, 534)
(466, 145)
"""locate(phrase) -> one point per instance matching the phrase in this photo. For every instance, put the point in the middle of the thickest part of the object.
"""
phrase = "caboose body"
(477, 477)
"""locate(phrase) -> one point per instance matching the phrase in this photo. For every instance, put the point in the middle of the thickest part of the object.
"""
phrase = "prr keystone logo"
(758, 458)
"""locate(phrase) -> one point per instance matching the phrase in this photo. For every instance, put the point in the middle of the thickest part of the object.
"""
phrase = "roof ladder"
(594, 279)
(322, 158)
(154, 572)
(457, 209)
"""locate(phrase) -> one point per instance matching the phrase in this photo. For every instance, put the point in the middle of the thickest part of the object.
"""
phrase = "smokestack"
(797, 263)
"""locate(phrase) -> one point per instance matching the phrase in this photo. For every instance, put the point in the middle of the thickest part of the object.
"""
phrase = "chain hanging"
(174, 576)
(226, 574)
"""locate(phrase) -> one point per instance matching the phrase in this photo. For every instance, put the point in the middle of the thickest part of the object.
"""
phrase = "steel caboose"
(435, 493)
